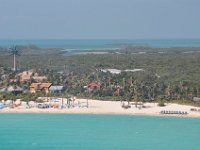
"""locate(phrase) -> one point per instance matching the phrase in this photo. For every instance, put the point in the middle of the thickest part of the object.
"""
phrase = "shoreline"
(97, 107)
(104, 113)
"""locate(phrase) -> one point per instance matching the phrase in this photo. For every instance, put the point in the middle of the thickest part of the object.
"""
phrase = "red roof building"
(93, 85)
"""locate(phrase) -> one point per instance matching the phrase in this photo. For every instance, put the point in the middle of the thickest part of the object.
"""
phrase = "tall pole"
(14, 62)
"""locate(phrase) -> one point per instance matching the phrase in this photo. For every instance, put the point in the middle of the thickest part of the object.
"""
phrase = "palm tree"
(14, 52)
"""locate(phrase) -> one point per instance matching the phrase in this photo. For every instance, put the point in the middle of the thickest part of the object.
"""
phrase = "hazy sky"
(99, 19)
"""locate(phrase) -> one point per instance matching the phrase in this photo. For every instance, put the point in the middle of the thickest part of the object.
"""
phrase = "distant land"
(102, 44)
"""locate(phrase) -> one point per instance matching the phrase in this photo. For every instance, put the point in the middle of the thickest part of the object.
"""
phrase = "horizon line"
(189, 38)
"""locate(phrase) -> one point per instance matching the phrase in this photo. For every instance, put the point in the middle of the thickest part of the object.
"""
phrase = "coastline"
(111, 108)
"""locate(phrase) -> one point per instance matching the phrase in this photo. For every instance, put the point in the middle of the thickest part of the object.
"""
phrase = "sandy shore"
(110, 107)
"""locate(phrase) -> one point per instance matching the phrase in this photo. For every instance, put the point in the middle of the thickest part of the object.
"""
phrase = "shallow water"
(96, 44)
(97, 132)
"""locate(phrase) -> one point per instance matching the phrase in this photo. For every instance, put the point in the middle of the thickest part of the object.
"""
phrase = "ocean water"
(97, 132)
(103, 44)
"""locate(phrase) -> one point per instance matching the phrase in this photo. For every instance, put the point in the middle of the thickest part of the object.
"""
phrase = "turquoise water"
(97, 132)
(103, 44)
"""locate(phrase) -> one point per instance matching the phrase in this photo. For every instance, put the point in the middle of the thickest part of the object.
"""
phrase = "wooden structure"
(25, 76)
(28, 75)
(40, 87)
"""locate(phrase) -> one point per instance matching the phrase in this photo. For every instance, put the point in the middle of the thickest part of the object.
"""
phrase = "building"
(38, 78)
(56, 89)
(28, 75)
(40, 87)
(196, 100)
(93, 85)
(25, 76)
(12, 89)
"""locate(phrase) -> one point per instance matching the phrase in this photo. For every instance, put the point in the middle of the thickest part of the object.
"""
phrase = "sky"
(99, 19)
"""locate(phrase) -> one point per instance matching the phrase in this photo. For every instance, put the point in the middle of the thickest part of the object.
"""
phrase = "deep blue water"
(103, 44)
(97, 132)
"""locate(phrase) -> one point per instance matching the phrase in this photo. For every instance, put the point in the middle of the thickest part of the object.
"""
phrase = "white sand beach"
(112, 107)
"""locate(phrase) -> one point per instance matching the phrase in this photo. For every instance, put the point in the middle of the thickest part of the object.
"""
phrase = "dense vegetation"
(169, 74)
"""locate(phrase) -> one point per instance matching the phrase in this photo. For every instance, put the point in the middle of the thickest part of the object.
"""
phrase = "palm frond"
(13, 50)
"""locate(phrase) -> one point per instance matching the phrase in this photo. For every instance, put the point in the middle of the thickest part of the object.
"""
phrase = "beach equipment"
(8, 102)
(174, 112)
(125, 106)
(1, 105)
(55, 105)
(43, 106)
(24, 105)
(31, 104)
(17, 103)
